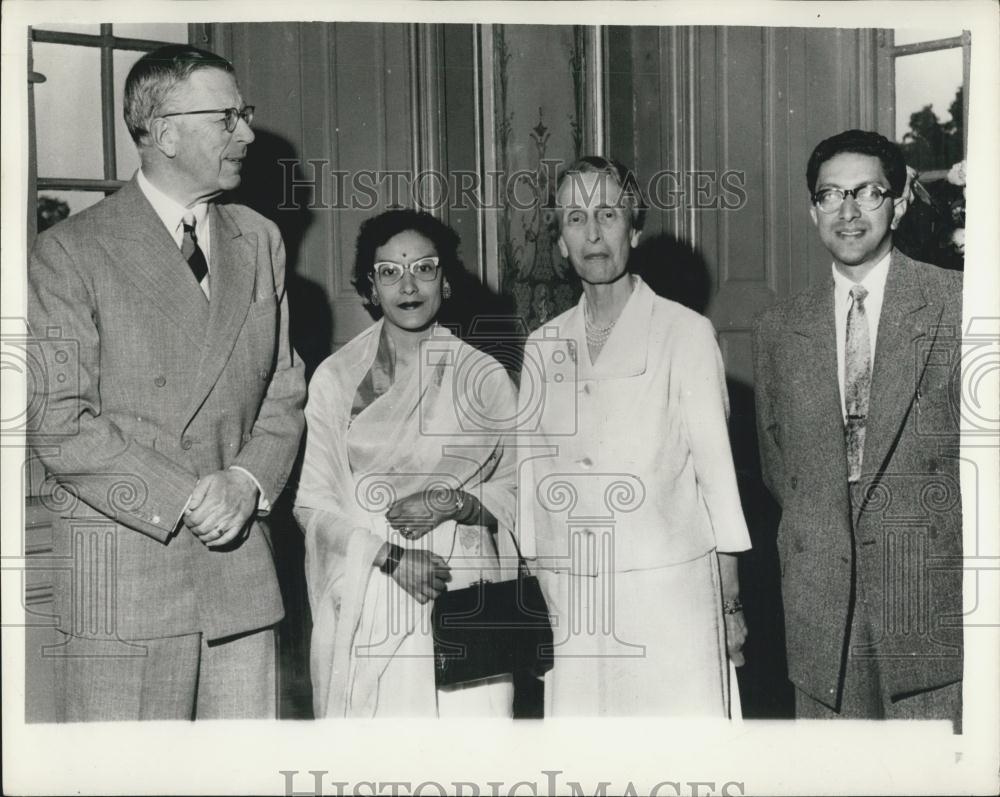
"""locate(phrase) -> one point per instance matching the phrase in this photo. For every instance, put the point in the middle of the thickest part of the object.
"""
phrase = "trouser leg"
(238, 677)
(107, 680)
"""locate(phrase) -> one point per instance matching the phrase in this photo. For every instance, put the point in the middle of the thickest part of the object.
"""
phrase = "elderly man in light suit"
(857, 408)
(181, 418)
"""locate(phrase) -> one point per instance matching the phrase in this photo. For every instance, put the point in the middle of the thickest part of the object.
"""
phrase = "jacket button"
(160, 381)
(186, 443)
(794, 481)
(262, 373)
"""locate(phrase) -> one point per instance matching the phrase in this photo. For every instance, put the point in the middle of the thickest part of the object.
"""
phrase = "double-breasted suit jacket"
(905, 535)
(161, 388)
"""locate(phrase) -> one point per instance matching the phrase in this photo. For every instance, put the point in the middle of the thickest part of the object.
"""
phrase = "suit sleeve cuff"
(263, 505)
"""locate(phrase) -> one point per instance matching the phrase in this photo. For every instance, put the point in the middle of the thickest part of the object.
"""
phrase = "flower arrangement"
(956, 176)
(933, 229)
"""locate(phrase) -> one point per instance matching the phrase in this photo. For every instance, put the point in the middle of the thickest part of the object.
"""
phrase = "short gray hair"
(155, 76)
(625, 177)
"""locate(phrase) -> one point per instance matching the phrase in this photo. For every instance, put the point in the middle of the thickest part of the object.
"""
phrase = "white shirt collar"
(874, 281)
(170, 211)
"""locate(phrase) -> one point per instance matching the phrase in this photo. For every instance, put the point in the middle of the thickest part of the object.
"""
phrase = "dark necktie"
(857, 381)
(192, 252)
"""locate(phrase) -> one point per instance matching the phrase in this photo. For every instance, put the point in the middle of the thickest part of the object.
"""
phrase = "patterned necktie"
(857, 381)
(192, 252)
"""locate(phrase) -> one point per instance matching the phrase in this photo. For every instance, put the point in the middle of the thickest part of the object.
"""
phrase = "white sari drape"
(372, 650)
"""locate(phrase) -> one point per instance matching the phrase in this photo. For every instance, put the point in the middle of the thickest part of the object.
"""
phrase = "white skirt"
(638, 643)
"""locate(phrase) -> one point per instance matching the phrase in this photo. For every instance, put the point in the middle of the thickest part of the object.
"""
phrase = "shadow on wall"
(311, 329)
(486, 320)
(263, 188)
(677, 272)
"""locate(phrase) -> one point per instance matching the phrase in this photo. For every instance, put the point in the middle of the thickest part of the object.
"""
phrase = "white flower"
(911, 176)
(958, 239)
(956, 175)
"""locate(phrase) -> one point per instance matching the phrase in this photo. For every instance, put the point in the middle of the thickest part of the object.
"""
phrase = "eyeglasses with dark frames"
(868, 197)
(233, 115)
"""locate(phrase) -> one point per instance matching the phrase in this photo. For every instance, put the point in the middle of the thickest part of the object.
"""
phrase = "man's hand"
(423, 574)
(736, 637)
(221, 506)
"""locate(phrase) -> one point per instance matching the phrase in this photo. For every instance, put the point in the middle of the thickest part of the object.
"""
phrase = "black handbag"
(491, 628)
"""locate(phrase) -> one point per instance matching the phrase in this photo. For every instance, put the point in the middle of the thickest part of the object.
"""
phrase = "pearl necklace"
(597, 336)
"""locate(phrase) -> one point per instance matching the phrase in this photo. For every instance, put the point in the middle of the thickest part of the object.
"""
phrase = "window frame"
(888, 52)
(107, 42)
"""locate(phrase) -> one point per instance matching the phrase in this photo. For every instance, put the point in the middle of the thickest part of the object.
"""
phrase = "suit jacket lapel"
(152, 261)
(625, 352)
(816, 331)
(899, 359)
(232, 279)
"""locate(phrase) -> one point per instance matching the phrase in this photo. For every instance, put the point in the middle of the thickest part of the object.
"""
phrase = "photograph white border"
(751, 757)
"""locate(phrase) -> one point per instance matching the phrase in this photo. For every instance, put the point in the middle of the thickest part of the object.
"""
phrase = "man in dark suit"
(179, 420)
(857, 411)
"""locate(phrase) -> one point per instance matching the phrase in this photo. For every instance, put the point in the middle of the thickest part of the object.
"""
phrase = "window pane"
(92, 30)
(54, 206)
(68, 111)
(126, 156)
(913, 35)
(164, 32)
(929, 108)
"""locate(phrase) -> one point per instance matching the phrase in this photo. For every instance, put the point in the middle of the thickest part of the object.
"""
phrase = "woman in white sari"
(405, 490)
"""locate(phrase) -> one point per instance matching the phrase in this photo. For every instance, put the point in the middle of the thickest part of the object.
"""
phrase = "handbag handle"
(522, 566)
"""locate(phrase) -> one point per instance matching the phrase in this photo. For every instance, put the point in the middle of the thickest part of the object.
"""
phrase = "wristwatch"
(392, 559)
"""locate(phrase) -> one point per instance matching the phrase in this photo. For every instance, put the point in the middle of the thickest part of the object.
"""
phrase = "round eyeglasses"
(868, 197)
(233, 115)
(389, 273)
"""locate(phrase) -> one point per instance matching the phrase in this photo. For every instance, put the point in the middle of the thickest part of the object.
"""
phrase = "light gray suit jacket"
(909, 528)
(148, 388)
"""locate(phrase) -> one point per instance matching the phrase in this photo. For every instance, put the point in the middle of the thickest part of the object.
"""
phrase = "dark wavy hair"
(377, 231)
(860, 142)
(597, 164)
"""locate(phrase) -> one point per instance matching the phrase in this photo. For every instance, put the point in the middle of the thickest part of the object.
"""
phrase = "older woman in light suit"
(633, 507)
